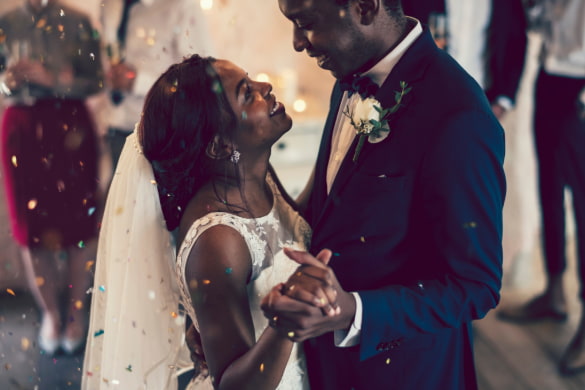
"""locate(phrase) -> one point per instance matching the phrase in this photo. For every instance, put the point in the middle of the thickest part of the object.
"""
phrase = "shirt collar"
(379, 72)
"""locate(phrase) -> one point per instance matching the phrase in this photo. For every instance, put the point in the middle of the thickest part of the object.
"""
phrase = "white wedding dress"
(265, 238)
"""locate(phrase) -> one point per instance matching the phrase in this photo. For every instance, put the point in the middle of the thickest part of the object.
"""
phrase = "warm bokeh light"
(206, 4)
(263, 77)
(300, 105)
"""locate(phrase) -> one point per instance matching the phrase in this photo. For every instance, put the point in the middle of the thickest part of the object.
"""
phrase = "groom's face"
(328, 32)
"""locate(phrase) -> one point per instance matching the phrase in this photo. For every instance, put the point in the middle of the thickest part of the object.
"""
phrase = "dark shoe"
(539, 309)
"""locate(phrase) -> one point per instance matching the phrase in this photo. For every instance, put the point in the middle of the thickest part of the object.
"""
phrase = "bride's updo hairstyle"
(183, 111)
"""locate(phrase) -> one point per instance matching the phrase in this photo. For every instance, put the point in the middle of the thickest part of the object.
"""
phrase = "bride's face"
(261, 119)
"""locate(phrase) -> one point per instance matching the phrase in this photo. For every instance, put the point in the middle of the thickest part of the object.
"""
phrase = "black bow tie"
(363, 85)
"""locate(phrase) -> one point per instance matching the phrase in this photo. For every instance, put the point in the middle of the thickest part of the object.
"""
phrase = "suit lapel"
(410, 69)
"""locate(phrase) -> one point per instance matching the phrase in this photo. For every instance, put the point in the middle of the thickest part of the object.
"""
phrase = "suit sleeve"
(506, 49)
(462, 186)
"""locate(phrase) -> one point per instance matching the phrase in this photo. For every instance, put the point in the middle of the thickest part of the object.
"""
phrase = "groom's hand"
(299, 312)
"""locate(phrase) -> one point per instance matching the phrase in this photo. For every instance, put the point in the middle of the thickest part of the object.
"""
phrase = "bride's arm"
(217, 272)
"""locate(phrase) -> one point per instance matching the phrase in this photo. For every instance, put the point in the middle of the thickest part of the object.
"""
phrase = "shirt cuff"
(505, 102)
(351, 337)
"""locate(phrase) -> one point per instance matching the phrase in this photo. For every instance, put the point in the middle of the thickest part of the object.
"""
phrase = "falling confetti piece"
(291, 334)
(81, 244)
(262, 367)
(362, 239)
(98, 333)
(89, 264)
(228, 270)
(24, 344)
(90, 211)
(129, 368)
(14, 161)
(115, 382)
(388, 361)
(102, 288)
(32, 204)
(174, 315)
(89, 373)
(9, 291)
(78, 305)
(40, 281)
(206, 281)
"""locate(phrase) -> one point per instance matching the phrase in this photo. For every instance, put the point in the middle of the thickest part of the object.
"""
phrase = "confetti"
(102, 288)
(9, 291)
(228, 270)
(24, 344)
(129, 368)
(40, 281)
(14, 161)
(98, 333)
(206, 281)
(81, 244)
(362, 239)
(90, 211)
(78, 305)
(89, 264)
(388, 361)
(174, 315)
(261, 367)
(32, 204)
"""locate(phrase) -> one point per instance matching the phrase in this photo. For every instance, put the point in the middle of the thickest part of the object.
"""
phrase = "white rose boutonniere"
(370, 120)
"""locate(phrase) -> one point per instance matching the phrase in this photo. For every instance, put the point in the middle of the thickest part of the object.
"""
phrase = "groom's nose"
(300, 41)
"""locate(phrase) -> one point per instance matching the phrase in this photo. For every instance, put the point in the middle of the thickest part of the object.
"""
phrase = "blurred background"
(254, 35)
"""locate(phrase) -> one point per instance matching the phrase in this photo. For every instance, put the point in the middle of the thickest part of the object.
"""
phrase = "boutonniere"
(370, 120)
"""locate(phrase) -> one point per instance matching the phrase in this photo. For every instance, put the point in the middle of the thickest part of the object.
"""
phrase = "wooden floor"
(525, 357)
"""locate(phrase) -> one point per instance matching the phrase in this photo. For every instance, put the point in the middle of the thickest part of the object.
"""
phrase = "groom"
(413, 216)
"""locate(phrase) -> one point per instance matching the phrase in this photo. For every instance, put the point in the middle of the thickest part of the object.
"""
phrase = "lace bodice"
(265, 237)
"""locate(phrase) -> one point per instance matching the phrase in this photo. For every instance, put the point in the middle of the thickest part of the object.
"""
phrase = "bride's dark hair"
(183, 112)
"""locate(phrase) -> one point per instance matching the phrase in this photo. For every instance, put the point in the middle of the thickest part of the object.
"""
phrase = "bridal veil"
(136, 331)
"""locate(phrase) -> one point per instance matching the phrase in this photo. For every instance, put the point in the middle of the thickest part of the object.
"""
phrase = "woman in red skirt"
(49, 158)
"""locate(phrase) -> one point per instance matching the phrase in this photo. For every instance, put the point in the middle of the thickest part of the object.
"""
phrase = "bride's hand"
(313, 282)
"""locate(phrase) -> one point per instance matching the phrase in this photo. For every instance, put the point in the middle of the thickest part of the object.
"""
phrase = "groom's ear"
(218, 149)
(368, 9)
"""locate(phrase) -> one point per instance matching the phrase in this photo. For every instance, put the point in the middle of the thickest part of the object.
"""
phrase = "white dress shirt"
(342, 138)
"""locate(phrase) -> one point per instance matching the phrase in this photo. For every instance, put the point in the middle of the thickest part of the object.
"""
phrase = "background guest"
(49, 156)
(141, 44)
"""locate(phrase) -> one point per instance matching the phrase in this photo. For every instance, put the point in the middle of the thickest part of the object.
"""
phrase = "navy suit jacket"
(416, 227)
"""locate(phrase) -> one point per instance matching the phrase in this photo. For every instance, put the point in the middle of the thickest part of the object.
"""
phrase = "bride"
(198, 161)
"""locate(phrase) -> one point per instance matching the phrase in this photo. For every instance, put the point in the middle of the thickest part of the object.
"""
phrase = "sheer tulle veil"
(136, 331)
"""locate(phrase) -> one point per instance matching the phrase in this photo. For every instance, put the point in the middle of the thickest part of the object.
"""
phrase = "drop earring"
(235, 157)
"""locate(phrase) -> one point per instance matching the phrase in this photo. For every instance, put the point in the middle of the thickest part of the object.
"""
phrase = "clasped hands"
(311, 302)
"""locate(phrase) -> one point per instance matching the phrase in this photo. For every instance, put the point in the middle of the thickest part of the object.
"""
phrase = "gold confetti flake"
(14, 161)
(206, 281)
(32, 204)
(24, 344)
(388, 361)
(78, 305)
(174, 315)
(40, 281)
(362, 239)
(261, 367)
(89, 264)
(10, 291)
